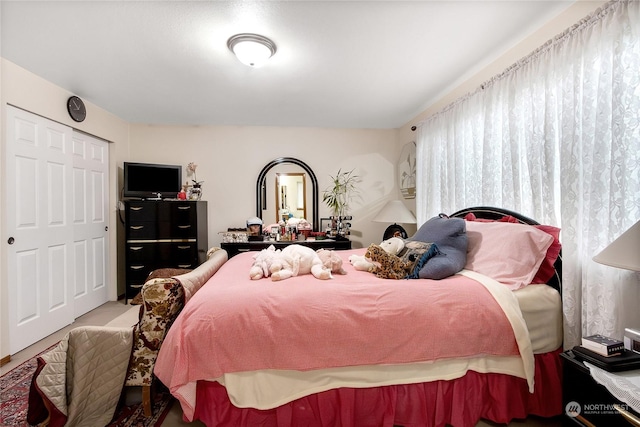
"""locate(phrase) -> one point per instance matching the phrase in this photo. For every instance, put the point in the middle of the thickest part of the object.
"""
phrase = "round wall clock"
(76, 109)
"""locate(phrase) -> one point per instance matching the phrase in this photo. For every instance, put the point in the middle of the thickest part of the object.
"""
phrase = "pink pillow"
(509, 253)
(547, 268)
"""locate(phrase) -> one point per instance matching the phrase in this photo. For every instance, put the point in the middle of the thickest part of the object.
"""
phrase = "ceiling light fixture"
(251, 49)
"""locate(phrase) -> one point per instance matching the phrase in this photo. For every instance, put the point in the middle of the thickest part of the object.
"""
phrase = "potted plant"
(339, 194)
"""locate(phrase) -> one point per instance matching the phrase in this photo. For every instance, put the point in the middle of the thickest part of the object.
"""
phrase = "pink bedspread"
(234, 324)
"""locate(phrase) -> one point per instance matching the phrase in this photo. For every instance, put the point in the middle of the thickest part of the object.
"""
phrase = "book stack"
(603, 345)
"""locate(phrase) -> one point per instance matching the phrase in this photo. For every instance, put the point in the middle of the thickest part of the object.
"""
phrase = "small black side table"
(594, 403)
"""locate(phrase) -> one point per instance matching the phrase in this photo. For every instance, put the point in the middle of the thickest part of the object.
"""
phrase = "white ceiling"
(344, 64)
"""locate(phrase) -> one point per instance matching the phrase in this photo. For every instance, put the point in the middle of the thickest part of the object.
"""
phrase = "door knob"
(11, 240)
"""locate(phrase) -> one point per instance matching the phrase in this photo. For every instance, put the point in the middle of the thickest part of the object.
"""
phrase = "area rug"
(14, 401)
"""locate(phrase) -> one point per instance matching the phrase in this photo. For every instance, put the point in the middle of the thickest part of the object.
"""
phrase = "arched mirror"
(264, 202)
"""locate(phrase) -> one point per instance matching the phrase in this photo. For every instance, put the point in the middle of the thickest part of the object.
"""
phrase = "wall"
(565, 20)
(25, 90)
(230, 158)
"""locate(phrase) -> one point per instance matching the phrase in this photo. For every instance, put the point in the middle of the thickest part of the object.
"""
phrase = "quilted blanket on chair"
(79, 382)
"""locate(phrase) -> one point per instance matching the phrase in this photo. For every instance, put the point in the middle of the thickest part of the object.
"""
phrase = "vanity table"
(270, 207)
(329, 244)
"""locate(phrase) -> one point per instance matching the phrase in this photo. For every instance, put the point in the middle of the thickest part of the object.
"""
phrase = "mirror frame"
(261, 188)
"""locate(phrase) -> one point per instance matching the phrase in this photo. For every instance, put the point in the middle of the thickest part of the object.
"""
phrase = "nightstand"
(594, 403)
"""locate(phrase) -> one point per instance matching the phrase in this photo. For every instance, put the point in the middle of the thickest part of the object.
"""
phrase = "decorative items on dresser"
(234, 248)
(162, 234)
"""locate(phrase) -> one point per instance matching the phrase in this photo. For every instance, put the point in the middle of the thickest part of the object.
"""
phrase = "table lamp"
(624, 252)
(396, 212)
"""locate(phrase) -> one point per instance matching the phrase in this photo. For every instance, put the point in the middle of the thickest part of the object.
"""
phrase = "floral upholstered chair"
(164, 294)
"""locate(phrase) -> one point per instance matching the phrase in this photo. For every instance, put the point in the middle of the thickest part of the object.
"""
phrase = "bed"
(358, 350)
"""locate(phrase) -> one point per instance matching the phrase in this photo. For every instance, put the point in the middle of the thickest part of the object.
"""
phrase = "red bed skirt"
(461, 402)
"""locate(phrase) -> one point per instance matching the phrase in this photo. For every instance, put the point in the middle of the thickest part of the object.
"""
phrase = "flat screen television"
(151, 181)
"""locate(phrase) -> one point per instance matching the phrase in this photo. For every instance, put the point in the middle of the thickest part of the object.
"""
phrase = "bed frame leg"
(146, 400)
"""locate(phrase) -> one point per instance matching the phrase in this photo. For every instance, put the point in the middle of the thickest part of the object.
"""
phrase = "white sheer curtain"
(557, 138)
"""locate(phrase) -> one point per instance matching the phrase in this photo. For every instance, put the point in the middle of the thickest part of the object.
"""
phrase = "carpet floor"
(14, 401)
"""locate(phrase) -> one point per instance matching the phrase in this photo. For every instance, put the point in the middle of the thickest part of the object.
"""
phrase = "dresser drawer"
(137, 274)
(141, 212)
(176, 255)
(185, 255)
(184, 213)
(142, 230)
(141, 253)
(183, 230)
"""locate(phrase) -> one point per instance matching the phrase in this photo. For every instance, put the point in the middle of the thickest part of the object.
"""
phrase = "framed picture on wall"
(407, 171)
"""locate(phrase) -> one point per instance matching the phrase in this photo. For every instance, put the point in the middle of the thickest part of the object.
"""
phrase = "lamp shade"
(395, 211)
(624, 252)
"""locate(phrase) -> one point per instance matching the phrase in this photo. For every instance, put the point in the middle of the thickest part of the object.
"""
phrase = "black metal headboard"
(486, 212)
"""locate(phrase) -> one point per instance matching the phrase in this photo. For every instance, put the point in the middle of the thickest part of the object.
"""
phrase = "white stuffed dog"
(295, 260)
(391, 246)
(262, 263)
(331, 261)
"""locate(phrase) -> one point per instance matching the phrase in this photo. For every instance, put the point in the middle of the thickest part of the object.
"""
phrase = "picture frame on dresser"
(325, 223)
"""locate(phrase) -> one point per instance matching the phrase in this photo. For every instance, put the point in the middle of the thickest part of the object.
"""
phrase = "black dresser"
(162, 234)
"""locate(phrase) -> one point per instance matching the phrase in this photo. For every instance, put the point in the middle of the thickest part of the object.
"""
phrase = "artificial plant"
(339, 194)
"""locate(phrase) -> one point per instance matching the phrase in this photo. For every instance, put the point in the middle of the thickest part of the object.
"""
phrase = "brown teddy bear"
(387, 266)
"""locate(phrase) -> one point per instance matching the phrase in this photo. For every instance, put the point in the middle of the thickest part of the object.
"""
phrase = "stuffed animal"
(304, 225)
(295, 260)
(360, 263)
(392, 246)
(262, 263)
(388, 266)
(293, 222)
(331, 261)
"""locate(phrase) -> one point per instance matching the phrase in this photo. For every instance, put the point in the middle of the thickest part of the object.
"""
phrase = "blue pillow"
(450, 236)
